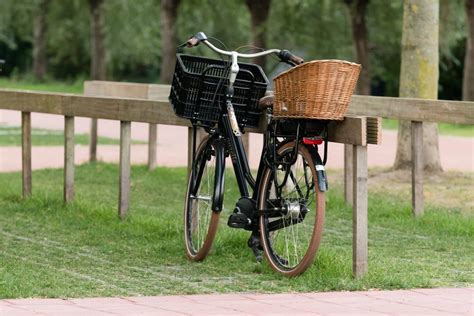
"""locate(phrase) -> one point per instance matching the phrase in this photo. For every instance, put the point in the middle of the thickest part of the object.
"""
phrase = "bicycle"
(284, 208)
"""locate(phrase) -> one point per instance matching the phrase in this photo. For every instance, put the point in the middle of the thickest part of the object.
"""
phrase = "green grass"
(11, 136)
(52, 86)
(463, 130)
(48, 249)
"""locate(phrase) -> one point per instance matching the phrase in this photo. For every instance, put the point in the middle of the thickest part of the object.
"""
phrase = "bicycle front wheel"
(292, 211)
(200, 222)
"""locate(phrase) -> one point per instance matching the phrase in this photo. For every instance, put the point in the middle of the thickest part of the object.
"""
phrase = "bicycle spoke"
(291, 189)
(201, 222)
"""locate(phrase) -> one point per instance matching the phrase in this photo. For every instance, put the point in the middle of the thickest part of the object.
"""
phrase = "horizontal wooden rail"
(441, 111)
(126, 90)
(146, 111)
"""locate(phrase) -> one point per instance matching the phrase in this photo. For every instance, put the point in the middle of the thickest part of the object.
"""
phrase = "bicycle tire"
(199, 243)
(300, 215)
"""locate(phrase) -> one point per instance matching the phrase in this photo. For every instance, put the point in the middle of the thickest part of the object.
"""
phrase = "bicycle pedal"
(238, 220)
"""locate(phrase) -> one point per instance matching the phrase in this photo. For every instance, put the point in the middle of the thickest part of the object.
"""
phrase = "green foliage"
(314, 29)
(68, 44)
(15, 35)
(132, 31)
(229, 23)
(384, 23)
(452, 41)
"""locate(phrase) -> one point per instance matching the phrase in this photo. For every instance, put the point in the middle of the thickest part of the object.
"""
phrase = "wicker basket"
(319, 89)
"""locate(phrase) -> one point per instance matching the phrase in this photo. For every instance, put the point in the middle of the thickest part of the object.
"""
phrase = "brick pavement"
(443, 301)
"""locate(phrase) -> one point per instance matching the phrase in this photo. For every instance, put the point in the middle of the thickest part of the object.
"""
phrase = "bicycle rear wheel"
(292, 211)
(200, 222)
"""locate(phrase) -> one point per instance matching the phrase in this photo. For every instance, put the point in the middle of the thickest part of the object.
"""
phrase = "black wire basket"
(199, 86)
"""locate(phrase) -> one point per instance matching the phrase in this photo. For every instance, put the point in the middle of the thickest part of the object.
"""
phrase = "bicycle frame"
(228, 129)
(239, 160)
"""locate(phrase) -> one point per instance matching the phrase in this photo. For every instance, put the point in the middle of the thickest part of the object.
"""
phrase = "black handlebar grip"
(287, 56)
(296, 59)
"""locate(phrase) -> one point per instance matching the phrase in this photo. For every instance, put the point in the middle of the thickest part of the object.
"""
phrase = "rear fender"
(319, 166)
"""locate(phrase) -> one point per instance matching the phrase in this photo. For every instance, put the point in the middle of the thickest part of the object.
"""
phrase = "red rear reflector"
(311, 141)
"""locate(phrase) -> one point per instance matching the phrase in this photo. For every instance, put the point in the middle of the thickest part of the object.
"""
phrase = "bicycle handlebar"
(287, 56)
(284, 55)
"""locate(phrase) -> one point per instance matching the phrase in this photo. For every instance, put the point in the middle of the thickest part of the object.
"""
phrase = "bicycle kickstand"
(254, 244)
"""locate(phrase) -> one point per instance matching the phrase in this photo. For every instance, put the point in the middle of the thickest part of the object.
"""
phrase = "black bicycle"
(283, 207)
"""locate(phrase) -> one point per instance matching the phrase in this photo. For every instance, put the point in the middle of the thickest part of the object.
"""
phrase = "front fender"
(218, 196)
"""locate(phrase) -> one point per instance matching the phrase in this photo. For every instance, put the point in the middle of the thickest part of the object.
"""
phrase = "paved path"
(457, 153)
(404, 302)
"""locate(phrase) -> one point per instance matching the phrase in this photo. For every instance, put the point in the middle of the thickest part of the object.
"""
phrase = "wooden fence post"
(68, 158)
(359, 212)
(124, 178)
(152, 139)
(26, 153)
(348, 172)
(93, 141)
(417, 167)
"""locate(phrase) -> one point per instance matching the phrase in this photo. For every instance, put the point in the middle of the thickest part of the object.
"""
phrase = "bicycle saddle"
(266, 101)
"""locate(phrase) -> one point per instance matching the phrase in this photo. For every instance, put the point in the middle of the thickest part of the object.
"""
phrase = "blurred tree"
(16, 36)
(452, 40)
(134, 47)
(259, 11)
(98, 57)
(69, 39)
(40, 40)
(313, 29)
(384, 22)
(98, 62)
(168, 13)
(468, 77)
(419, 77)
(218, 19)
(357, 12)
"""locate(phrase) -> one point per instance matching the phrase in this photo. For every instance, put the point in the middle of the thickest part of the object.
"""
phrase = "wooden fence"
(354, 131)
(149, 104)
(415, 110)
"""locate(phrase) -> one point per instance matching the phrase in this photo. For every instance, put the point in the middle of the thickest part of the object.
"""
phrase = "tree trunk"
(357, 11)
(419, 77)
(259, 10)
(168, 13)
(98, 62)
(39, 40)
(468, 78)
(98, 58)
